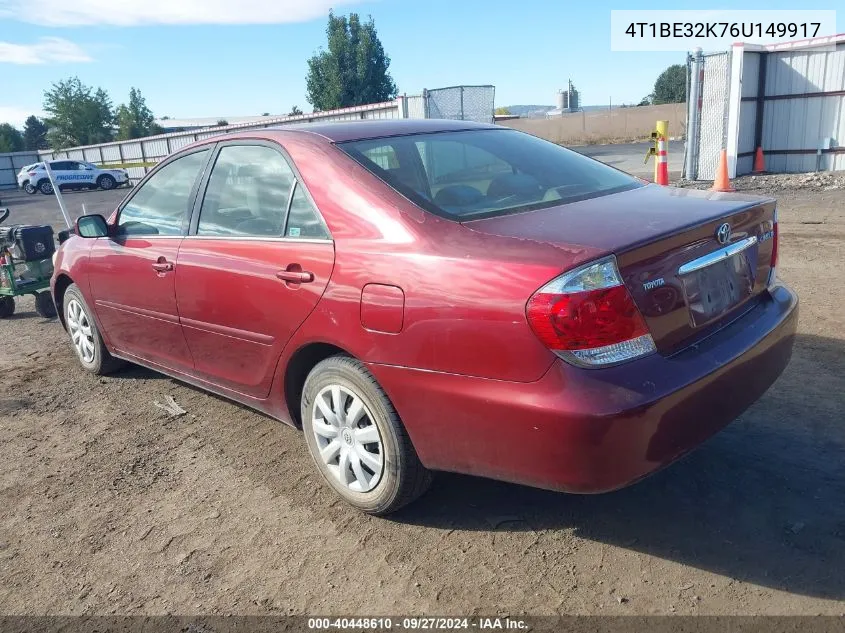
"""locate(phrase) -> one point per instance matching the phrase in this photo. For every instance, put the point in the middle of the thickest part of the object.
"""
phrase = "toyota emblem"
(723, 233)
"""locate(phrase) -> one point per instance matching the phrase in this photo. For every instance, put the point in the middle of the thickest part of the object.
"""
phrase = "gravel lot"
(108, 506)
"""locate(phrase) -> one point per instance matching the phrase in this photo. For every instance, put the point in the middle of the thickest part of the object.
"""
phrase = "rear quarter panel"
(465, 293)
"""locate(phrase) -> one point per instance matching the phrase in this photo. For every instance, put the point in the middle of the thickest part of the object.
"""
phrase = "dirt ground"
(109, 506)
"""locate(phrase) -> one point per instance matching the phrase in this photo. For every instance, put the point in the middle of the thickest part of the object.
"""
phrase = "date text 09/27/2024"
(418, 623)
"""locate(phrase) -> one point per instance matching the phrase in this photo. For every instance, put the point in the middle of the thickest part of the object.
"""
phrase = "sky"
(226, 58)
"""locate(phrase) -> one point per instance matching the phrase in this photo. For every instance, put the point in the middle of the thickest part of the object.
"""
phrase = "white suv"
(70, 174)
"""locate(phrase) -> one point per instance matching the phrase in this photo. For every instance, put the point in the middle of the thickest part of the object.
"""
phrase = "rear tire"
(92, 353)
(44, 305)
(45, 187)
(29, 188)
(7, 307)
(357, 440)
(106, 182)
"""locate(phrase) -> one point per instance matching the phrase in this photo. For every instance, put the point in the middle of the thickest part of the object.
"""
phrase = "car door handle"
(162, 266)
(295, 276)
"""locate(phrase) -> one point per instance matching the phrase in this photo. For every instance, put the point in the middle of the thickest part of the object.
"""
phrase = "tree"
(222, 122)
(354, 69)
(646, 100)
(502, 110)
(294, 111)
(78, 114)
(265, 114)
(670, 86)
(135, 119)
(11, 140)
(34, 133)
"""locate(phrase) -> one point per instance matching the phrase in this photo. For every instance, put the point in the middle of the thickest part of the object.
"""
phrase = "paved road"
(629, 157)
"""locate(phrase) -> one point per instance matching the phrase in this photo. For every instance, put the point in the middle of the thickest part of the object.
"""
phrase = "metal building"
(787, 98)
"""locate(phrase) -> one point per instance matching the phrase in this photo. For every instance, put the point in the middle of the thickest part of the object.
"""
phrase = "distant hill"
(528, 110)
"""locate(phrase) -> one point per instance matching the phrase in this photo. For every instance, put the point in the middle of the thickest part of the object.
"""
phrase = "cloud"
(16, 116)
(47, 50)
(142, 12)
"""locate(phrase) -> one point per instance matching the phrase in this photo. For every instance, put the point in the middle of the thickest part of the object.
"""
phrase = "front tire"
(45, 187)
(357, 440)
(84, 335)
(106, 182)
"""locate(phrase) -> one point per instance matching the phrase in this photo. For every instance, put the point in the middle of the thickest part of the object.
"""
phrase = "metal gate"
(464, 103)
(707, 119)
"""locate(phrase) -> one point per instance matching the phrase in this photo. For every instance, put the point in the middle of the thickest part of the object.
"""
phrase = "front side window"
(248, 193)
(483, 173)
(160, 205)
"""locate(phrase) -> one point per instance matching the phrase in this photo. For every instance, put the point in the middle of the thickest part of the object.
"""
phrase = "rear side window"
(159, 206)
(304, 221)
(483, 173)
(247, 194)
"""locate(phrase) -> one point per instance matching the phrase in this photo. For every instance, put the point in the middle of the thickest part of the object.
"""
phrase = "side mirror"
(92, 226)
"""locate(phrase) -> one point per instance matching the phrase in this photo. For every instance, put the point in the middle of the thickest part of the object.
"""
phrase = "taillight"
(774, 261)
(587, 317)
(32, 173)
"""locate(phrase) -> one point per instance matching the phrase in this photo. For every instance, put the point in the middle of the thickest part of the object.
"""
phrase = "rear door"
(254, 266)
(133, 273)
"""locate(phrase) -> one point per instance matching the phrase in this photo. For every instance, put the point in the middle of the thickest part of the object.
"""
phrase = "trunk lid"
(685, 282)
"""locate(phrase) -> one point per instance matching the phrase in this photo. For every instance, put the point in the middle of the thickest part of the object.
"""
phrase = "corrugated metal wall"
(10, 165)
(794, 127)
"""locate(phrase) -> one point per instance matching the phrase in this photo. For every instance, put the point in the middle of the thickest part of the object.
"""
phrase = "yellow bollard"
(661, 131)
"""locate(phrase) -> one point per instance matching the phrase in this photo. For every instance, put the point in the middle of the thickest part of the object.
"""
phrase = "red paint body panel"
(592, 431)
(135, 304)
(437, 311)
(237, 315)
(382, 308)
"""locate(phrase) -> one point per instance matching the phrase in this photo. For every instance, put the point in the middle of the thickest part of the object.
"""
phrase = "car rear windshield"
(473, 174)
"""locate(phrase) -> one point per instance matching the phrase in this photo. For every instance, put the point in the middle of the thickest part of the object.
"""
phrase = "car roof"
(341, 131)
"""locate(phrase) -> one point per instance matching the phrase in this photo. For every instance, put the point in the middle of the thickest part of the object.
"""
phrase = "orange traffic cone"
(759, 162)
(722, 182)
(662, 163)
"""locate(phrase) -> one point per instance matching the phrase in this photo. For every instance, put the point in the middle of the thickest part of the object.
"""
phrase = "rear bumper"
(589, 431)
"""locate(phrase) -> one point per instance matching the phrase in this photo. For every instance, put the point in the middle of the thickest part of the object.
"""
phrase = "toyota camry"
(422, 296)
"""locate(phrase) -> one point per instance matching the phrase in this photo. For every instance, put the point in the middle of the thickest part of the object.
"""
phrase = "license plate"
(714, 290)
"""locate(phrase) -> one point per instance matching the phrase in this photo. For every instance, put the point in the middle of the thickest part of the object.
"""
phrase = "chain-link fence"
(464, 103)
(713, 120)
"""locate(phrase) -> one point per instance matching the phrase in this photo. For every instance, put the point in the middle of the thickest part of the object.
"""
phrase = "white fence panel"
(111, 153)
(131, 151)
(178, 142)
(155, 149)
(10, 165)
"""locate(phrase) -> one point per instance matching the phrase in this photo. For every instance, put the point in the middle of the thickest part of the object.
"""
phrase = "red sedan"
(438, 295)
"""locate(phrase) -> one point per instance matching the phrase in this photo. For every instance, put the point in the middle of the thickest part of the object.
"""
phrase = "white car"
(70, 174)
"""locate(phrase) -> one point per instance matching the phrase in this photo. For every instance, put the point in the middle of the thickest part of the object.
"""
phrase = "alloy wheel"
(348, 440)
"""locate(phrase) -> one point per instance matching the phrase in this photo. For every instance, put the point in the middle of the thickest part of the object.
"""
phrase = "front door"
(254, 266)
(132, 273)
